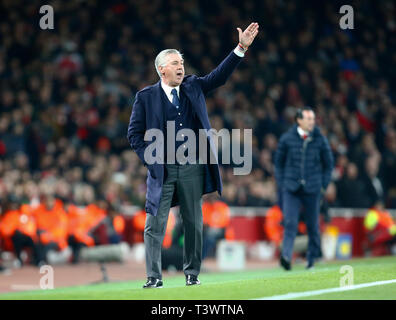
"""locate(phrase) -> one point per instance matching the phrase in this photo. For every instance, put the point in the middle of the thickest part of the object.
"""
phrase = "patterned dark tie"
(175, 99)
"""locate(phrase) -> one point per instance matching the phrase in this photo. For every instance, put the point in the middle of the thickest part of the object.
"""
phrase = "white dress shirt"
(301, 132)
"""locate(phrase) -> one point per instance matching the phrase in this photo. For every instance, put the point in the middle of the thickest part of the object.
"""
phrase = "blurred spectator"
(81, 222)
(52, 223)
(351, 190)
(216, 220)
(18, 231)
(374, 187)
(138, 223)
(110, 229)
(330, 199)
(381, 230)
(273, 227)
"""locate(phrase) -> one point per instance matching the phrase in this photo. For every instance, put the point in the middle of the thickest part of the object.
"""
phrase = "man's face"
(307, 123)
(173, 71)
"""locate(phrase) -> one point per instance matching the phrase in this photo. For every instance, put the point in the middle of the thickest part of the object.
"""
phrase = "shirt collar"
(301, 132)
(168, 89)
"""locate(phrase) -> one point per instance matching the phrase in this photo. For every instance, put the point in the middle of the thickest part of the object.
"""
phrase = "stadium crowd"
(66, 94)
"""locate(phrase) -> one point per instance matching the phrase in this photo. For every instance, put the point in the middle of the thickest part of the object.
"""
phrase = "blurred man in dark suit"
(303, 166)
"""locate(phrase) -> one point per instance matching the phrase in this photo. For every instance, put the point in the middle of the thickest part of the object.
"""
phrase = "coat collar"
(313, 133)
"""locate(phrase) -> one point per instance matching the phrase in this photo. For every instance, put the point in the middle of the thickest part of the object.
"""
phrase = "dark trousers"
(21, 241)
(291, 206)
(187, 181)
(76, 247)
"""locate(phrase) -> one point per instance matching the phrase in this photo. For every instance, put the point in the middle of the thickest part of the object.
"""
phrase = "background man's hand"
(246, 37)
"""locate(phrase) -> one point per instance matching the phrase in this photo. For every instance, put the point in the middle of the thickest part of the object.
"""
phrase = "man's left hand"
(246, 37)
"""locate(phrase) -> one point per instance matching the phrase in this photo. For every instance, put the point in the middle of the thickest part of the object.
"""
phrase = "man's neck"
(167, 84)
(168, 89)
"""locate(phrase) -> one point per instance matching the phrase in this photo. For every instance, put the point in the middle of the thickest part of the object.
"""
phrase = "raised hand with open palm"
(246, 37)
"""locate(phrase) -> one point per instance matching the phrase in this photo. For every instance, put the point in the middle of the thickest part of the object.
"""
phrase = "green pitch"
(243, 285)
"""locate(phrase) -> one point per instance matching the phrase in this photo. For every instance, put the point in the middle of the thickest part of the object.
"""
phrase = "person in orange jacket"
(83, 222)
(110, 227)
(216, 219)
(273, 225)
(138, 223)
(78, 236)
(380, 229)
(18, 229)
(52, 223)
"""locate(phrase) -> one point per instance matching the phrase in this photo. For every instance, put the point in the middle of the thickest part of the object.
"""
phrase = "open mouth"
(179, 74)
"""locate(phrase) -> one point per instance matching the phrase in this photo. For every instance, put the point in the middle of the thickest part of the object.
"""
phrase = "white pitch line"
(295, 295)
(23, 287)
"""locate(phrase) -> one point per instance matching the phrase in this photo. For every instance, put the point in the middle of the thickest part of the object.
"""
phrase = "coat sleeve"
(327, 160)
(280, 160)
(137, 128)
(220, 74)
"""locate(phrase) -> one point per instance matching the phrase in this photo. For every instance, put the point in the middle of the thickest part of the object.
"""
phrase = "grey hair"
(160, 60)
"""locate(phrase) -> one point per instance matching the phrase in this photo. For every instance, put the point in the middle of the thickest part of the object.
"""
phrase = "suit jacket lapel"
(157, 105)
(199, 110)
(189, 92)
